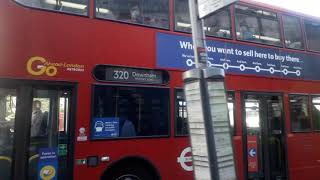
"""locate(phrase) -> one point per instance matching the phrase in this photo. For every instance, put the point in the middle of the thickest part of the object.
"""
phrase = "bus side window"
(299, 112)
(292, 32)
(313, 35)
(153, 13)
(181, 114)
(316, 113)
(130, 112)
(257, 25)
(79, 7)
(218, 24)
(181, 121)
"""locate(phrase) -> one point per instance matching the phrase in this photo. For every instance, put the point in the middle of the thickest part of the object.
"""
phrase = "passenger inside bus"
(38, 120)
(126, 118)
(245, 31)
(126, 128)
(135, 14)
(141, 111)
(300, 119)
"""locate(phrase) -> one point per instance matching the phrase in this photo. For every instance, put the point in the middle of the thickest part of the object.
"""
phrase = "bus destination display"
(130, 75)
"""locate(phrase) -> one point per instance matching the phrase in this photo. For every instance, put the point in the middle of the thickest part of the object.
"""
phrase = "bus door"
(35, 131)
(265, 137)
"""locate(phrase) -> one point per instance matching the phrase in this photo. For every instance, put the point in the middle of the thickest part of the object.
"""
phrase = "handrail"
(7, 158)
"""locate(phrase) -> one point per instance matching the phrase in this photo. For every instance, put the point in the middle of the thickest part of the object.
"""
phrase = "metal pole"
(201, 157)
(208, 122)
(198, 36)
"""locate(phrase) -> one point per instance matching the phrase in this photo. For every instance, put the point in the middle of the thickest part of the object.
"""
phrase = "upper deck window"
(153, 13)
(257, 25)
(313, 35)
(79, 7)
(292, 32)
(218, 24)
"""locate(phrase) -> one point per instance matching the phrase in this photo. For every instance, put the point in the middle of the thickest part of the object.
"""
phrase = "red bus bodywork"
(58, 37)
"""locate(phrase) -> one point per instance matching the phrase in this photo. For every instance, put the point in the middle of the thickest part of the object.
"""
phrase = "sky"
(310, 7)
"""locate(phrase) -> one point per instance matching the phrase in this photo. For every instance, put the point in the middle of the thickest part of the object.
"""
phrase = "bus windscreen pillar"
(209, 126)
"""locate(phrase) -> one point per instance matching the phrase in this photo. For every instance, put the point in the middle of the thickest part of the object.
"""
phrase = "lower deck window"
(181, 121)
(300, 119)
(123, 111)
(316, 113)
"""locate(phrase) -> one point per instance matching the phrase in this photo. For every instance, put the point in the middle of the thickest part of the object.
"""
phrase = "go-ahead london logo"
(38, 66)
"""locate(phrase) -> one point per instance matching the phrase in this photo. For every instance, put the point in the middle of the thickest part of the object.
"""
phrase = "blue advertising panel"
(174, 51)
(48, 164)
(104, 128)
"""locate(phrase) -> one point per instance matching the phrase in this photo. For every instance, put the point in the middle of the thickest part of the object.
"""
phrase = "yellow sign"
(41, 69)
(47, 172)
(38, 66)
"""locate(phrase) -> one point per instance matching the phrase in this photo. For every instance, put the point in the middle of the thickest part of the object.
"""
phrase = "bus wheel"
(128, 177)
(132, 173)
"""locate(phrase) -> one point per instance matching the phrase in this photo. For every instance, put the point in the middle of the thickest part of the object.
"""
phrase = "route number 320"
(120, 75)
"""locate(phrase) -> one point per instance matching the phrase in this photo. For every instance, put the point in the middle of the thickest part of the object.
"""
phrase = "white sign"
(82, 134)
(184, 159)
(207, 7)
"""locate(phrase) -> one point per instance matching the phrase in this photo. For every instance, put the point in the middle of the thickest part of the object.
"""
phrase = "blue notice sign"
(176, 52)
(104, 128)
(48, 164)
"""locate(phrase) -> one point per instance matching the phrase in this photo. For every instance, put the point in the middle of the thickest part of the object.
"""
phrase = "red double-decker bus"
(92, 89)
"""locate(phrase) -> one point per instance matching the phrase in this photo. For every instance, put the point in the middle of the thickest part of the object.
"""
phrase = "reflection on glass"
(274, 119)
(48, 127)
(131, 111)
(313, 35)
(292, 32)
(231, 110)
(218, 24)
(247, 27)
(299, 113)
(146, 12)
(63, 114)
(252, 114)
(181, 115)
(70, 6)
(252, 117)
(8, 100)
(274, 116)
(257, 25)
(231, 113)
(316, 112)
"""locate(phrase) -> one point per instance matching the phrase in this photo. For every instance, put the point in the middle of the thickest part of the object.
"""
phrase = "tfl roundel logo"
(252, 152)
(185, 159)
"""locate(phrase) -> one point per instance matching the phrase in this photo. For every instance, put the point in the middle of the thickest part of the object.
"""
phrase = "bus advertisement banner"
(174, 51)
